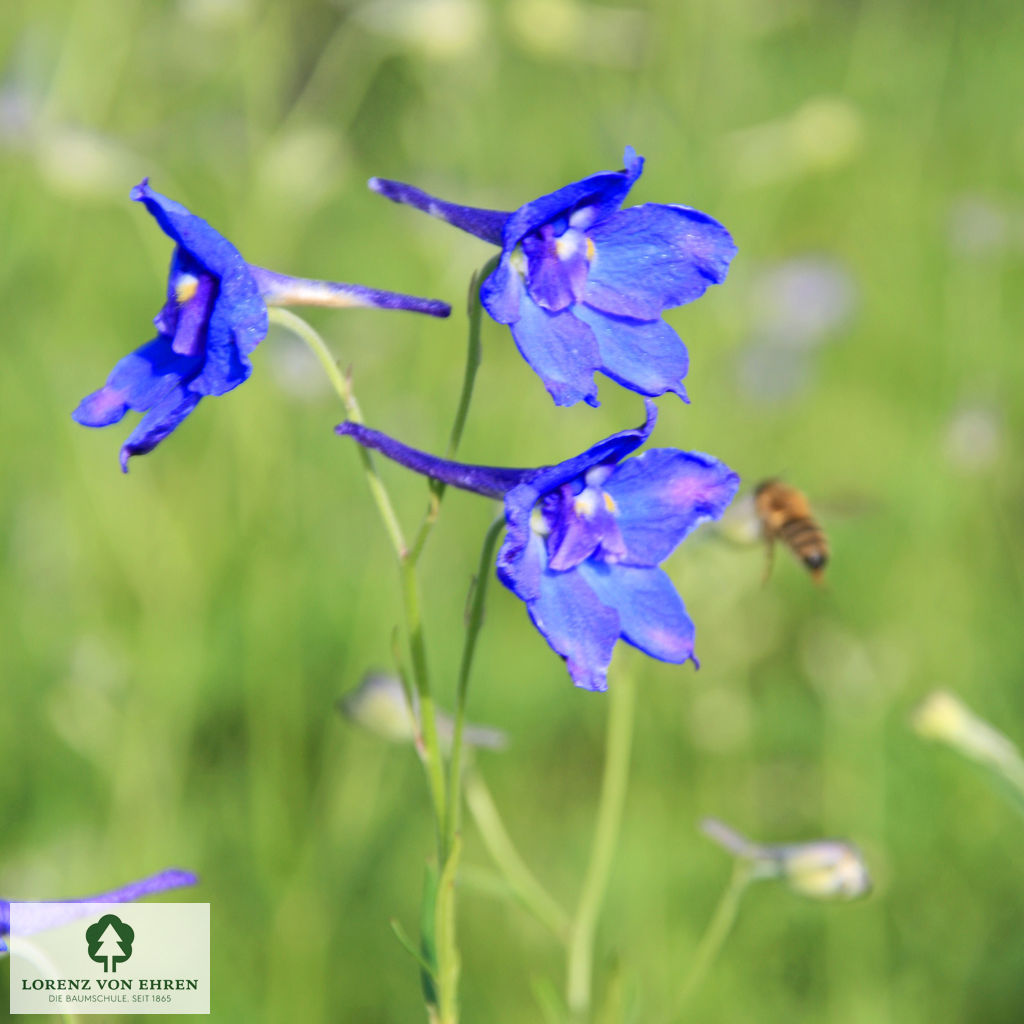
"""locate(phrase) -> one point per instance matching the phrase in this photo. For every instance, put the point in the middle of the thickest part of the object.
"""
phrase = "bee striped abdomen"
(807, 541)
(786, 516)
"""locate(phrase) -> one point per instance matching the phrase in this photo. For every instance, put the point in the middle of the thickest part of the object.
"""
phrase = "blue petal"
(651, 613)
(226, 364)
(611, 449)
(243, 307)
(485, 224)
(502, 292)
(663, 495)
(192, 233)
(138, 381)
(561, 349)
(604, 192)
(645, 355)
(577, 625)
(522, 557)
(652, 257)
(161, 420)
(581, 523)
(556, 279)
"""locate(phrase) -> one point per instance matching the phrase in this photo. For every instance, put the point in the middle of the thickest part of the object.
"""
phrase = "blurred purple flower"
(172, 878)
(586, 538)
(582, 284)
(214, 316)
(799, 302)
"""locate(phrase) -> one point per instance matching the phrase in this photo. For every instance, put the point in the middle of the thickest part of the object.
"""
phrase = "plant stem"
(716, 933)
(609, 820)
(473, 359)
(473, 626)
(431, 748)
(445, 801)
(343, 387)
(534, 897)
(421, 679)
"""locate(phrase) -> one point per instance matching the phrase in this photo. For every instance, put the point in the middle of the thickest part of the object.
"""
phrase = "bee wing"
(848, 505)
(740, 525)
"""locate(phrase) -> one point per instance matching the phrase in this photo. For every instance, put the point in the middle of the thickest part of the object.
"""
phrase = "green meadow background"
(172, 642)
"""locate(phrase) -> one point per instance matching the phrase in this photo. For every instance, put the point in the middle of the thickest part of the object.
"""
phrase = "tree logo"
(110, 942)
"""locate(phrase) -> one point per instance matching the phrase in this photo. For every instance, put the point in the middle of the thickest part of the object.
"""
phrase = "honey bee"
(785, 515)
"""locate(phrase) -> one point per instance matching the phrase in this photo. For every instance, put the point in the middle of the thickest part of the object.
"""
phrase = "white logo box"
(159, 963)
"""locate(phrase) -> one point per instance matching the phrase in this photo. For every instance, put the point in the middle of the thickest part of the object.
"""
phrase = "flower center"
(195, 297)
(557, 258)
(581, 524)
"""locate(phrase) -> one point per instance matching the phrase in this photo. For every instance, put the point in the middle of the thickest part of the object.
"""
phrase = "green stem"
(609, 820)
(717, 932)
(473, 626)
(343, 387)
(431, 749)
(524, 885)
(473, 358)
(421, 679)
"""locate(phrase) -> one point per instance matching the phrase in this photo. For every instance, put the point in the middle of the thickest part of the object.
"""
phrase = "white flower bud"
(825, 869)
(379, 704)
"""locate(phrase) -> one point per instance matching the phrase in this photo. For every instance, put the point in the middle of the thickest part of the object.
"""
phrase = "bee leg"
(769, 561)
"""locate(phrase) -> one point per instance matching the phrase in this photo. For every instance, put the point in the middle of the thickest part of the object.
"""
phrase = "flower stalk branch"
(609, 820)
(717, 932)
(474, 355)
(473, 627)
(343, 386)
(522, 882)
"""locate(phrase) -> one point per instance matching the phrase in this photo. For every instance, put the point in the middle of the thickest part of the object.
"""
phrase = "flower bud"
(825, 869)
(379, 704)
(829, 869)
(944, 717)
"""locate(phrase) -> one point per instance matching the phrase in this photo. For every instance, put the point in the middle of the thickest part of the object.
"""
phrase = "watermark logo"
(106, 958)
(110, 942)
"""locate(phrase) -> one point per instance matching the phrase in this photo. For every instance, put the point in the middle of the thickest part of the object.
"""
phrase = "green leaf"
(429, 975)
(409, 946)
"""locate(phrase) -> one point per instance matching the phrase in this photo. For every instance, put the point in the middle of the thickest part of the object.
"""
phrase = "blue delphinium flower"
(214, 316)
(173, 878)
(586, 538)
(582, 284)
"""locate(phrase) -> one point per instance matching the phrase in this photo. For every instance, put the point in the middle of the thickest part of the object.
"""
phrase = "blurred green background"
(172, 642)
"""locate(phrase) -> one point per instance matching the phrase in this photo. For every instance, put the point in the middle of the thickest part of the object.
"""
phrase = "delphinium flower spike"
(582, 284)
(58, 914)
(214, 316)
(586, 538)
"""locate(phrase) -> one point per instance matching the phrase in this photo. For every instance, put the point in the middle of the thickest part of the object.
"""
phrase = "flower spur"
(59, 913)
